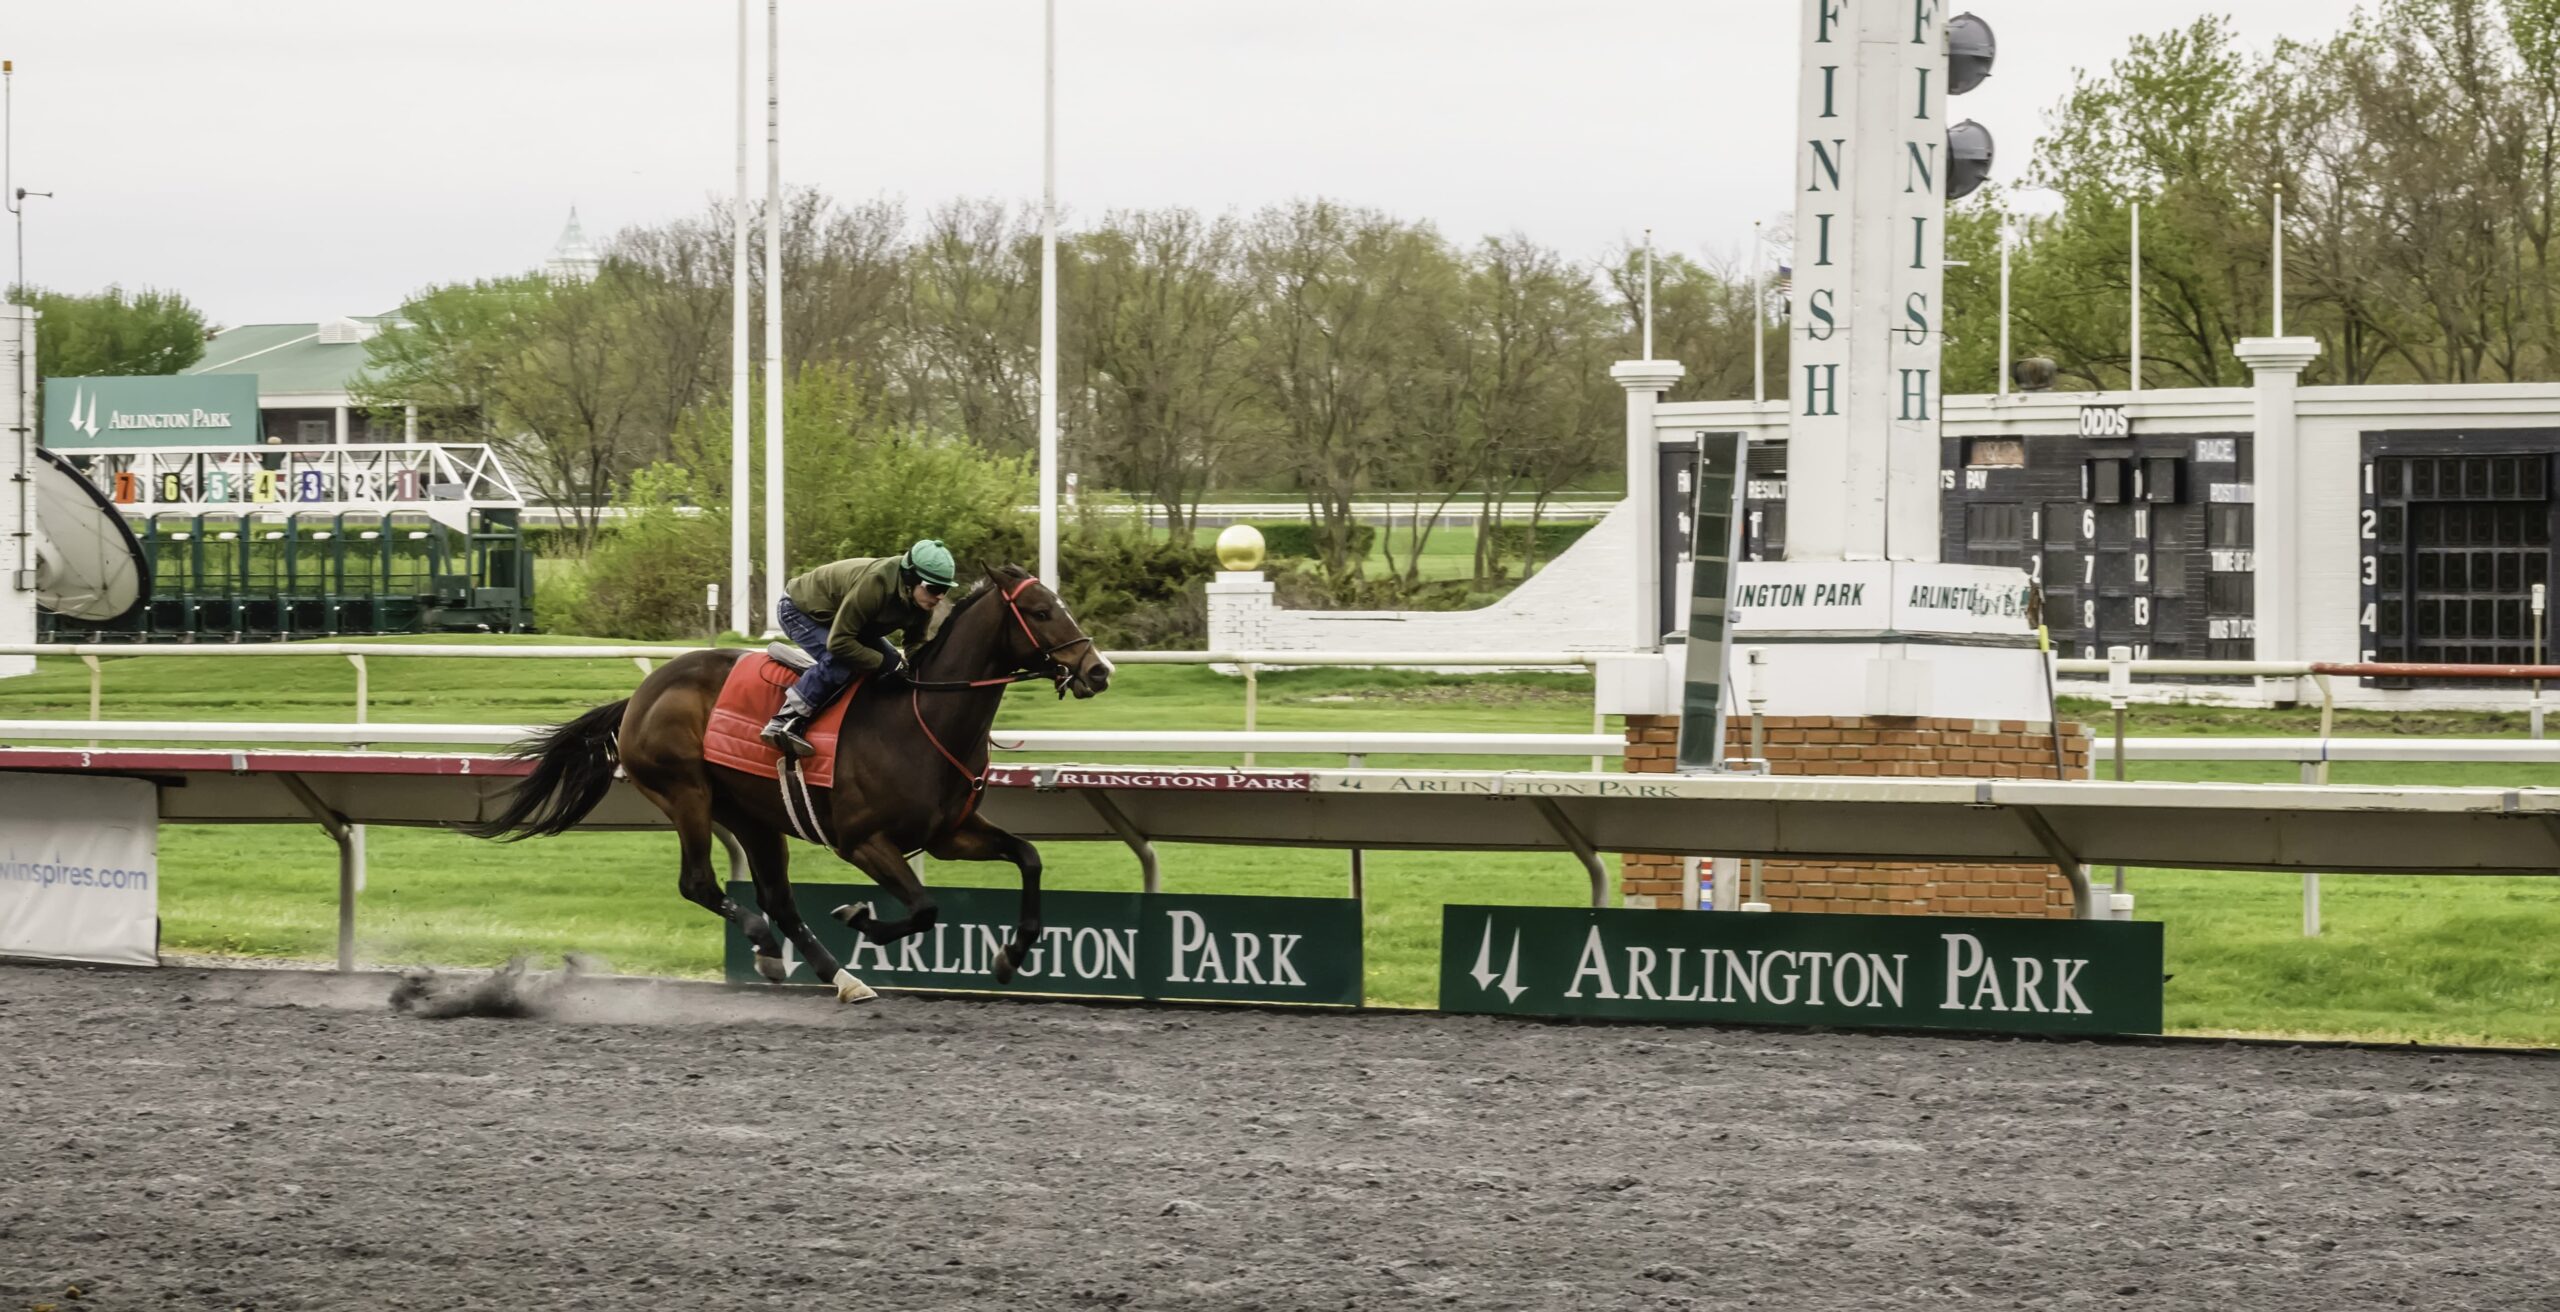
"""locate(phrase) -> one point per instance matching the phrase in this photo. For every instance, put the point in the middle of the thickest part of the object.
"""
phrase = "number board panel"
(2145, 541)
(2453, 532)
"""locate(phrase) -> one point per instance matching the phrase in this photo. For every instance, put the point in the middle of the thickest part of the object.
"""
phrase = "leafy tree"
(552, 374)
(112, 333)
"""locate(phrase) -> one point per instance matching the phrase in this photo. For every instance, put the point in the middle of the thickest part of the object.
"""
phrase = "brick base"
(1877, 747)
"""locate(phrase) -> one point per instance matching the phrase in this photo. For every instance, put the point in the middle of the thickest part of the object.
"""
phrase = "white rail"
(493, 651)
(378, 733)
(2523, 751)
(1114, 742)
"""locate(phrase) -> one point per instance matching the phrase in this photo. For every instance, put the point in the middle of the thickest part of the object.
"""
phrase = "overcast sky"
(294, 159)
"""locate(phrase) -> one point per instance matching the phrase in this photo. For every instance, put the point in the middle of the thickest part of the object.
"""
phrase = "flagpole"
(775, 569)
(741, 370)
(2279, 240)
(1049, 295)
(1648, 293)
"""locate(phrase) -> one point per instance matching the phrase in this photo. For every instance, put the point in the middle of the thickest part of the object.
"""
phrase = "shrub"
(1511, 541)
(1305, 541)
(646, 579)
(1133, 590)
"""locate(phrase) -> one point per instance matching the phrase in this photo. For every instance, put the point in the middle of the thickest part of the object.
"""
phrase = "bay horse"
(909, 766)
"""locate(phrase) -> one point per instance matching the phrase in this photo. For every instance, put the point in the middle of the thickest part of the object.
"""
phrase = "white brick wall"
(1578, 602)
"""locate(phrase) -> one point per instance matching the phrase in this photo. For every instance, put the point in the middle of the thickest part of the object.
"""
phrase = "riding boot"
(783, 732)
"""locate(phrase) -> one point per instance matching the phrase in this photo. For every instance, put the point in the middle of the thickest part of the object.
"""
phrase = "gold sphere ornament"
(1240, 547)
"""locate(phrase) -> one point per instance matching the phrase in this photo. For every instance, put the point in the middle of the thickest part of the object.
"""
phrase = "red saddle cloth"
(752, 696)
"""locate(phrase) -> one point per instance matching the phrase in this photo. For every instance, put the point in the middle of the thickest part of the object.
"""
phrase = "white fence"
(2311, 754)
(1354, 746)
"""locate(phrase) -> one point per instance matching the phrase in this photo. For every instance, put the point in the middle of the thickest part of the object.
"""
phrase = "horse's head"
(1042, 634)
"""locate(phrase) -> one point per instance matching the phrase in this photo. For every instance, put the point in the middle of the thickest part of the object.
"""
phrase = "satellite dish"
(88, 564)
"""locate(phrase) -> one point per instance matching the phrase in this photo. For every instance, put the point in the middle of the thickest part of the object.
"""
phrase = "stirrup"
(783, 735)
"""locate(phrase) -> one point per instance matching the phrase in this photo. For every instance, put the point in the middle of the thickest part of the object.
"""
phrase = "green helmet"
(930, 561)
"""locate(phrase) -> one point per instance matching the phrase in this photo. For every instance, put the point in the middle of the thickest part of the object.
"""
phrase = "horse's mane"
(959, 606)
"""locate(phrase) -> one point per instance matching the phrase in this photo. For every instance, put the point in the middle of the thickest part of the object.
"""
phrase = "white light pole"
(2008, 240)
(2137, 296)
(741, 371)
(23, 576)
(1759, 315)
(1049, 294)
(774, 567)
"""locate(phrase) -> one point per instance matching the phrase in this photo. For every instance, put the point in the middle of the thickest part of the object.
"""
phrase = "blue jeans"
(819, 683)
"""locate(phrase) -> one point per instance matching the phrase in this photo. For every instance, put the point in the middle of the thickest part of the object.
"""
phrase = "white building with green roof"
(307, 380)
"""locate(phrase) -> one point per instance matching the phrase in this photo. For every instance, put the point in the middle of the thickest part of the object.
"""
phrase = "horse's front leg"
(977, 840)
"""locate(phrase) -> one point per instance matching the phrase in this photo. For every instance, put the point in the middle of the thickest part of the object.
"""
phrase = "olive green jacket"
(859, 600)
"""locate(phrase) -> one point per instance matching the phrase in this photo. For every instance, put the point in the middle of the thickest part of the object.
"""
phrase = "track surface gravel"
(233, 1139)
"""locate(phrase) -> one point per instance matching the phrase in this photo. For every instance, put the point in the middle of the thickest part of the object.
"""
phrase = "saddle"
(752, 696)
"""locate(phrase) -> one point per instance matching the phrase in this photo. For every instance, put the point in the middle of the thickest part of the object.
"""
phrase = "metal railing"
(1352, 746)
(1249, 664)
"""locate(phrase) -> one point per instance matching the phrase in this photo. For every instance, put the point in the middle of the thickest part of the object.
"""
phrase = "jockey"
(842, 615)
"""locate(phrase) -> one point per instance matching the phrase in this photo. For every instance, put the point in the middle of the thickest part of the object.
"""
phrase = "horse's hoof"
(773, 968)
(853, 913)
(1005, 967)
(849, 989)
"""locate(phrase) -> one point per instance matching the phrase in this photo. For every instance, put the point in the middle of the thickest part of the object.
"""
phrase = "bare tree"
(1158, 306)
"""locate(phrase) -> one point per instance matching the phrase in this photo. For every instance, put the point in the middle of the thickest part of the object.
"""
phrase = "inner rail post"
(97, 688)
(1359, 874)
(1252, 699)
(339, 832)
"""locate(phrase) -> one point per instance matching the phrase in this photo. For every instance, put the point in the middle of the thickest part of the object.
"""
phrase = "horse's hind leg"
(689, 807)
(979, 841)
(769, 856)
(877, 857)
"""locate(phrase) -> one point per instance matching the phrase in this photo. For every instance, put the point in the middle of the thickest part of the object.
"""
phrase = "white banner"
(1880, 598)
(80, 868)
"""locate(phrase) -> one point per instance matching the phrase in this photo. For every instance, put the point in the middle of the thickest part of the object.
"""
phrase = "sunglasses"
(937, 589)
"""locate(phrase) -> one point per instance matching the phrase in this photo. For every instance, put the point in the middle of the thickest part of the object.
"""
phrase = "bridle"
(1056, 670)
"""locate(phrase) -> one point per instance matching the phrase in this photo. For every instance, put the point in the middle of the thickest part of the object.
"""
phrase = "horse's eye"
(1040, 615)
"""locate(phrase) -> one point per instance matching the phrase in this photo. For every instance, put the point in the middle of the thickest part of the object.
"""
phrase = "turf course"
(2402, 958)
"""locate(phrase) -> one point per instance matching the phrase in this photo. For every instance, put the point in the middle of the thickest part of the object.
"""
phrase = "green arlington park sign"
(174, 410)
(1116, 945)
(1933, 972)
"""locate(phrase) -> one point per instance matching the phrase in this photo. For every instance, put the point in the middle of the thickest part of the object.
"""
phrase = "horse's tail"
(573, 770)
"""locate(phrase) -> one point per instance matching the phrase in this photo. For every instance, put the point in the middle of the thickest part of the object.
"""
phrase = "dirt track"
(189, 1139)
